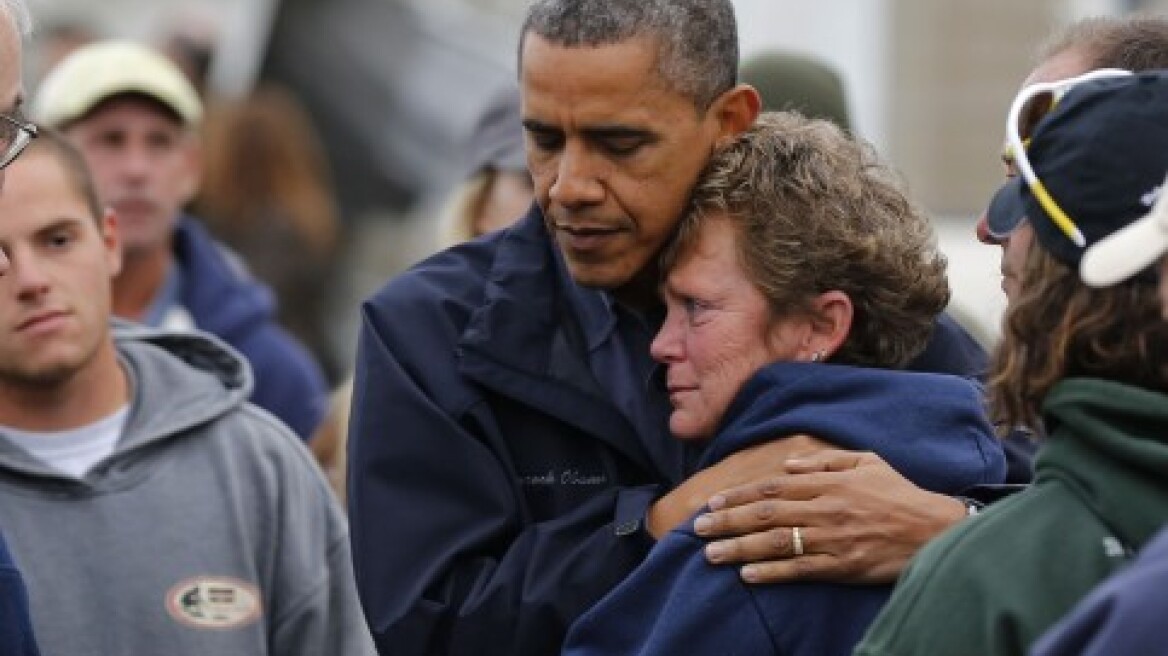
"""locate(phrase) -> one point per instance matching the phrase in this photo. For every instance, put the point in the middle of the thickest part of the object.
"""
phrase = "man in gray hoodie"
(151, 508)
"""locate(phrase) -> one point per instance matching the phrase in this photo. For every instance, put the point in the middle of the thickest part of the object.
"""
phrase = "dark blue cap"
(1102, 154)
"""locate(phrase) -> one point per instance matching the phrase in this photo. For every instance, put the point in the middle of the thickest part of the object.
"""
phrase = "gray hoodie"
(209, 530)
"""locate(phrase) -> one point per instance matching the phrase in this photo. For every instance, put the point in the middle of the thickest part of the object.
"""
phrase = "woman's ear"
(831, 323)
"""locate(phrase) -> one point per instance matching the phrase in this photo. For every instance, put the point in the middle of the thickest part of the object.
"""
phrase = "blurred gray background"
(393, 86)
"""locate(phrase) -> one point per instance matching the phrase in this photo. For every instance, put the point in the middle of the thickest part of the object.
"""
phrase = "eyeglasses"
(15, 135)
(1029, 107)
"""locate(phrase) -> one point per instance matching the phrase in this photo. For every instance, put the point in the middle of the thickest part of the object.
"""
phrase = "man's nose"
(577, 182)
(983, 232)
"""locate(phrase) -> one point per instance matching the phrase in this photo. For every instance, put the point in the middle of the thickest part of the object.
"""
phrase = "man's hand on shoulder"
(857, 521)
(757, 463)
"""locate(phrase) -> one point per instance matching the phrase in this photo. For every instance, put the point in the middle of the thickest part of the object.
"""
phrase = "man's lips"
(583, 238)
(41, 319)
(678, 390)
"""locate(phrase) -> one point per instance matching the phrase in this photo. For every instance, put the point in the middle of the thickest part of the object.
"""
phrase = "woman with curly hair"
(799, 284)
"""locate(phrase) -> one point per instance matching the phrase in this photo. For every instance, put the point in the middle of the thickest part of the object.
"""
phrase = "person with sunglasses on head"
(16, 634)
(1085, 366)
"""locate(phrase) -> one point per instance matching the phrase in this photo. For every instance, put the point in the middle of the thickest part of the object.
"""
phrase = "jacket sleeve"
(447, 557)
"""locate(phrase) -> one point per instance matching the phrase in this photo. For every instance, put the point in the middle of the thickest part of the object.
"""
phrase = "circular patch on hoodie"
(214, 602)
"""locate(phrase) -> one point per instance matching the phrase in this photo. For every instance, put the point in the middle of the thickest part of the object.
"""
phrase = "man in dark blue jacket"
(135, 117)
(510, 461)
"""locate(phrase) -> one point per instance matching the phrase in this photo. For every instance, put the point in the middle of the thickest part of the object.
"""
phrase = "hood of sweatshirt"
(178, 381)
(932, 428)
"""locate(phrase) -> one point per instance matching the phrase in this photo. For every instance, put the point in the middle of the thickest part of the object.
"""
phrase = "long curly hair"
(1059, 328)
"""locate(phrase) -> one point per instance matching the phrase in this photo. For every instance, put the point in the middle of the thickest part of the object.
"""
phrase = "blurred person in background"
(792, 81)
(57, 41)
(498, 189)
(135, 116)
(153, 509)
(1086, 367)
(16, 633)
(267, 194)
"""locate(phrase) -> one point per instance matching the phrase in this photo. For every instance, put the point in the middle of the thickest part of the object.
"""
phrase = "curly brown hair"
(816, 210)
(1060, 328)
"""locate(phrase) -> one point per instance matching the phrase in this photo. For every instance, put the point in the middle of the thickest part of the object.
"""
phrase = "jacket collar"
(1110, 442)
(530, 337)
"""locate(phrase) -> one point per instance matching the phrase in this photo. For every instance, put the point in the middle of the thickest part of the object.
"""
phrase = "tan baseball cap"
(99, 71)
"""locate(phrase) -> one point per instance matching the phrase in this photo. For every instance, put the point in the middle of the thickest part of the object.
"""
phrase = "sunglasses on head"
(1031, 105)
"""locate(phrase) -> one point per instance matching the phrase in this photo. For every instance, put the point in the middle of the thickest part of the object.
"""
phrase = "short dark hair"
(55, 145)
(816, 210)
(1135, 42)
(697, 39)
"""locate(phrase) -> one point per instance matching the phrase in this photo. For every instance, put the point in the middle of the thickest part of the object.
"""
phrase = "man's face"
(145, 165)
(1016, 245)
(613, 153)
(55, 301)
(718, 331)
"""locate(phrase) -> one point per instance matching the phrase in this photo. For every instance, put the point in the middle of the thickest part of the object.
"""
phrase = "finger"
(772, 544)
(762, 515)
(830, 460)
(810, 567)
(795, 487)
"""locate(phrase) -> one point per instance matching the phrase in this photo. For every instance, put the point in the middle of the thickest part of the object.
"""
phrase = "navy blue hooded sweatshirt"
(16, 637)
(228, 303)
(930, 427)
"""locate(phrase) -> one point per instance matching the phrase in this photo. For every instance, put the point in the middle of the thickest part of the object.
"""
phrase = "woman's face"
(718, 331)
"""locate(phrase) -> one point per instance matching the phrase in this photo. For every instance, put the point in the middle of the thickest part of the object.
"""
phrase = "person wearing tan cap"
(134, 116)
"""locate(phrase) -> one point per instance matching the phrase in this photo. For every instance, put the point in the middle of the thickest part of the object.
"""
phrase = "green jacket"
(996, 582)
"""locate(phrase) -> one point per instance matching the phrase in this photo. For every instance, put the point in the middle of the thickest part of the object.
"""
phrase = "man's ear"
(736, 110)
(194, 168)
(831, 323)
(112, 239)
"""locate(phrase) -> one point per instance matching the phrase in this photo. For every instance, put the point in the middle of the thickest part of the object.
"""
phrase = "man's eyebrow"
(534, 125)
(618, 132)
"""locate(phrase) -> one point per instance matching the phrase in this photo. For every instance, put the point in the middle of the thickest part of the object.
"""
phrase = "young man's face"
(613, 153)
(145, 164)
(55, 301)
